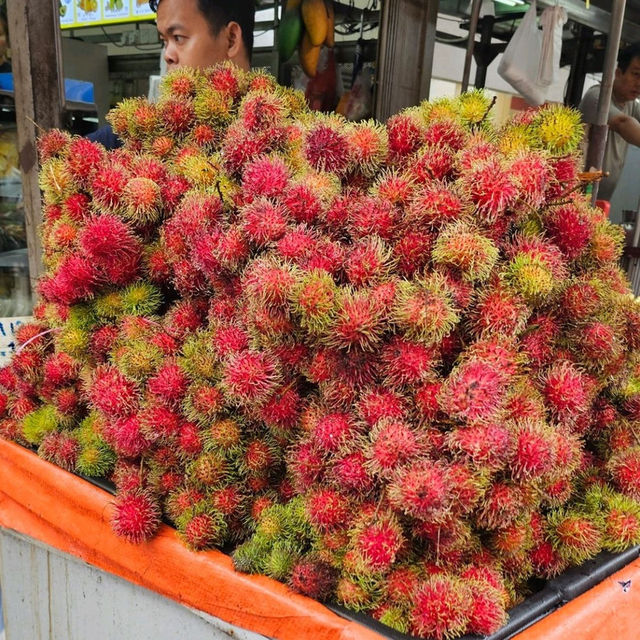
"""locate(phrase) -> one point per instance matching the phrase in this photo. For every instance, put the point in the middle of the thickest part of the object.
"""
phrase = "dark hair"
(219, 13)
(626, 55)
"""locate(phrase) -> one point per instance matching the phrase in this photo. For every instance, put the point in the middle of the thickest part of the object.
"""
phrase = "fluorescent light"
(510, 3)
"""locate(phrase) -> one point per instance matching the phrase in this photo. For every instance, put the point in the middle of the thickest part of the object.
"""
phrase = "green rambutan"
(460, 247)
(575, 536)
(424, 309)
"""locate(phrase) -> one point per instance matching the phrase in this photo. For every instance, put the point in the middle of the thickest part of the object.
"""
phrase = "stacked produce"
(396, 366)
(306, 26)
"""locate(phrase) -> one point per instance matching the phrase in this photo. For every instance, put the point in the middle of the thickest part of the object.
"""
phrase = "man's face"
(187, 36)
(626, 85)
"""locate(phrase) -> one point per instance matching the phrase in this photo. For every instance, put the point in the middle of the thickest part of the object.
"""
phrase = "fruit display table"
(52, 520)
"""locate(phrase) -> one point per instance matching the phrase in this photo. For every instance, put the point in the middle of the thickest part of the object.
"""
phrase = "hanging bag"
(521, 58)
(552, 20)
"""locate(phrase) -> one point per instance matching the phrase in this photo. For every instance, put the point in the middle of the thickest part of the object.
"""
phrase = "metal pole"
(473, 26)
(598, 132)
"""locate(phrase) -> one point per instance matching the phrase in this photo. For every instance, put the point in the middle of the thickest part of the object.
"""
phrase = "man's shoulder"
(590, 95)
(106, 137)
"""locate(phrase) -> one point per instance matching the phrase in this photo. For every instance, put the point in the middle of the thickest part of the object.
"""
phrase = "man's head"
(201, 33)
(626, 83)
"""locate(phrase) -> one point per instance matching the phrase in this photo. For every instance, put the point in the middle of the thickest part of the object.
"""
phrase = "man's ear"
(234, 40)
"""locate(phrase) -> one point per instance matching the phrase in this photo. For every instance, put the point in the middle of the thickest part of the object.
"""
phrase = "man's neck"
(618, 100)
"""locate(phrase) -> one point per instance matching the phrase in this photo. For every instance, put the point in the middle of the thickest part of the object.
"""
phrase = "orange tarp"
(70, 514)
(59, 509)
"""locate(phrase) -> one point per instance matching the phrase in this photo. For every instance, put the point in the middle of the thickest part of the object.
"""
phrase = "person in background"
(5, 62)
(198, 34)
(624, 116)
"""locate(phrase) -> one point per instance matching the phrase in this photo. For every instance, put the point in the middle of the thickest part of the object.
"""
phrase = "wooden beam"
(405, 54)
(39, 98)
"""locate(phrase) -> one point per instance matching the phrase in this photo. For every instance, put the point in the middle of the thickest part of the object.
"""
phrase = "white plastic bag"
(552, 20)
(521, 58)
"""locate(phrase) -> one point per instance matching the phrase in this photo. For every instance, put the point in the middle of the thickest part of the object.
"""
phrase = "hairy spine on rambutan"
(136, 516)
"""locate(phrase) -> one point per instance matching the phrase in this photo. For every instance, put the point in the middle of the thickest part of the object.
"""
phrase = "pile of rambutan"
(395, 366)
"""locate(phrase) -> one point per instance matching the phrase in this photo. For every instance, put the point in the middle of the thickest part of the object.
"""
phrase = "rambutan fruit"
(168, 384)
(421, 490)
(108, 186)
(491, 188)
(327, 509)
(159, 423)
(249, 377)
(136, 516)
(432, 162)
(368, 216)
(268, 281)
(621, 522)
(367, 261)
(441, 607)
(177, 115)
(368, 146)
(487, 609)
(412, 252)
(392, 444)
(435, 204)
(357, 324)
(558, 128)
(502, 504)
(77, 206)
(325, 146)
(259, 110)
(314, 299)
(473, 392)
(228, 339)
(302, 202)
(202, 530)
(393, 186)
(297, 244)
(500, 311)
(282, 411)
(598, 342)
(487, 446)
(353, 595)
(313, 577)
(424, 309)
(106, 237)
(460, 247)
(405, 135)
(126, 438)
(75, 279)
(378, 543)
(624, 470)
(52, 144)
(61, 449)
(111, 393)
(266, 176)
(571, 228)
(209, 470)
(533, 450)
(264, 221)
(351, 474)
(406, 362)
(306, 464)
(84, 160)
(425, 398)
(334, 430)
(143, 201)
(378, 403)
(575, 536)
(566, 391)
